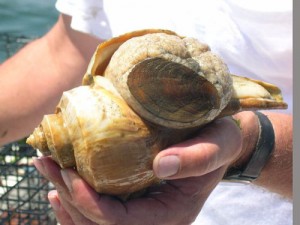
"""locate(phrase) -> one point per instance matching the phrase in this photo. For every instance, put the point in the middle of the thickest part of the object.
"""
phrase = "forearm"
(276, 176)
(32, 81)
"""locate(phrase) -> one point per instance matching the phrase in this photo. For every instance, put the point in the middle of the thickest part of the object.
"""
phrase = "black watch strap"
(260, 156)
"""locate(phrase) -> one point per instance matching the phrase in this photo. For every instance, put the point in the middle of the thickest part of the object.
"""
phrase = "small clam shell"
(171, 94)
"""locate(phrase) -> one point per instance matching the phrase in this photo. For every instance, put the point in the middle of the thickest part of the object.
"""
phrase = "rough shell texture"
(202, 77)
(155, 88)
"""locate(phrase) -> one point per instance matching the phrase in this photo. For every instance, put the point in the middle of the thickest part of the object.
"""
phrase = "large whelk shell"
(154, 89)
(95, 131)
(103, 133)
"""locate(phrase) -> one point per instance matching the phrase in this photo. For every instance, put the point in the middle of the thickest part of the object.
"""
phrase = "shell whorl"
(93, 124)
(169, 80)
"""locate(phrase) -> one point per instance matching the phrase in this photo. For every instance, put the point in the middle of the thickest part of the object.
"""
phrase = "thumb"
(214, 146)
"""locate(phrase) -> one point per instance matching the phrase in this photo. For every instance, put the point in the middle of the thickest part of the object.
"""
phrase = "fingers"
(61, 214)
(60, 199)
(216, 145)
(82, 203)
(50, 170)
(98, 208)
(176, 202)
(65, 213)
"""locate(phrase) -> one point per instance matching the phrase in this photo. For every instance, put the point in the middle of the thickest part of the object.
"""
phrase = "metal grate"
(23, 192)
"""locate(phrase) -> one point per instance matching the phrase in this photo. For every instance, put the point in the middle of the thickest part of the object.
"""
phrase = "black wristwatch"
(260, 156)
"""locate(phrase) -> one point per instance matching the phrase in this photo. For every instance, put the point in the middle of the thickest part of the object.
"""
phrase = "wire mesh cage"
(23, 191)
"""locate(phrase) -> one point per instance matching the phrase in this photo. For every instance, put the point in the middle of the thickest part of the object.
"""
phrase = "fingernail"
(53, 199)
(38, 163)
(67, 180)
(168, 166)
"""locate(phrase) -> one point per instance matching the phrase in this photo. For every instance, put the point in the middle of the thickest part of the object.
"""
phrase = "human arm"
(32, 81)
(277, 175)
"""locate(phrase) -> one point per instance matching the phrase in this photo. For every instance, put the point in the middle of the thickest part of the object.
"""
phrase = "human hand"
(203, 161)
(218, 144)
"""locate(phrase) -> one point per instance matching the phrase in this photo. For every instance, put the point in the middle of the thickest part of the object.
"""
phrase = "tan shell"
(155, 87)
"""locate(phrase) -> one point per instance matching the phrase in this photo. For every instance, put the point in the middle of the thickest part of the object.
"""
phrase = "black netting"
(23, 192)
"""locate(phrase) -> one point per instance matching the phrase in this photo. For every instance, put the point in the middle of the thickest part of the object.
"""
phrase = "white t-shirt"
(255, 40)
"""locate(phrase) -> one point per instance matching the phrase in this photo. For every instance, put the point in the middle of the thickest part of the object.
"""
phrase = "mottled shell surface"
(143, 91)
(171, 80)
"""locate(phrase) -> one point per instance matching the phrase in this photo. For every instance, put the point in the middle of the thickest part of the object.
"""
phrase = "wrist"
(249, 126)
(261, 154)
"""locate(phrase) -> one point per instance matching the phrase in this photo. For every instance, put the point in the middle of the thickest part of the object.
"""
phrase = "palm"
(174, 202)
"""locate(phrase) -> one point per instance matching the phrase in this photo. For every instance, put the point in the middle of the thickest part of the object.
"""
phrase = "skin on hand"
(216, 145)
(277, 175)
(178, 201)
